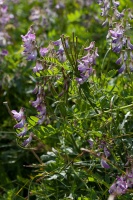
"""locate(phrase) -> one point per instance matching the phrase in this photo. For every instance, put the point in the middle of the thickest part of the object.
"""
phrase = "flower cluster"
(44, 16)
(85, 2)
(121, 44)
(30, 50)
(39, 103)
(5, 17)
(86, 63)
(101, 151)
(38, 16)
(122, 183)
(107, 7)
(60, 52)
(21, 119)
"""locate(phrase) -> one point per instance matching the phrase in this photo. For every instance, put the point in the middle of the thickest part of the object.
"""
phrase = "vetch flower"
(115, 3)
(105, 7)
(36, 89)
(24, 131)
(131, 66)
(119, 187)
(91, 46)
(41, 120)
(117, 14)
(29, 40)
(119, 60)
(57, 42)
(4, 52)
(104, 164)
(38, 67)
(86, 63)
(91, 143)
(60, 52)
(42, 113)
(18, 115)
(106, 152)
(82, 67)
(122, 69)
(38, 101)
(129, 45)
(43, 51)
(28, 140)
(41, 109)
(21, 123)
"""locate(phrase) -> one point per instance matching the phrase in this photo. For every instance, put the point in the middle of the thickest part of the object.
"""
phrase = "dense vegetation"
(66, 96)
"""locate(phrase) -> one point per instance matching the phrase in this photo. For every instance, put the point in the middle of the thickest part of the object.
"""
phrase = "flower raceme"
(5, 18)
(60, 52)
(102, 152)
(86, 63)
(30, 51)
(122, 184)
(21, 125)
(18, 115)
(39, 103)
(120, 43)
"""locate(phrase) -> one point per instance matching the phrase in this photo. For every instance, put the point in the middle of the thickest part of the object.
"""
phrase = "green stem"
(85, 90)
(115, 109)
(74, 143)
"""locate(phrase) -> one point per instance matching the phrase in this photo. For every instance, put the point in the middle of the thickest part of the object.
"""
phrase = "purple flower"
(29, 45)
(117, 33)
(60, 53)
(43, 51)
(80, 80)
(28, 140)
(105, 7)
(130, 179)
(4, 52)
(131, 55)
(113, 188)
(84, 75)
(41, 120)
(129, 45)
(91, 46)
(117, 47)
(131, 66)
(35, 91)
(86, 62)
(24, 131)
(5, 17)
(21, 123)
(91, 143)
(38, 67)
(18, 115)
(106, 152)
(104, 164)
(41, 109)
(119, 187)
(82, 67)
(57, 42)
(117, 14)
(115, 3)
(119, 60)
(122, 69)
(38, 101)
